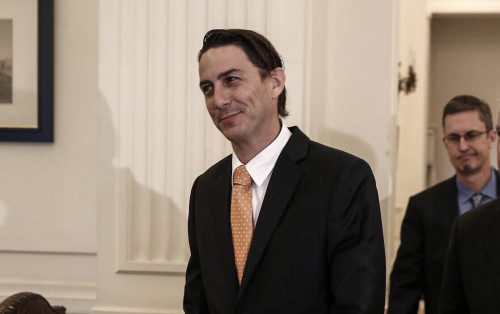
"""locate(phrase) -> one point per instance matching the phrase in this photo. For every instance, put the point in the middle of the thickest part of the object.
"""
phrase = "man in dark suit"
(315, 242)
(471, 280)
(418, 268)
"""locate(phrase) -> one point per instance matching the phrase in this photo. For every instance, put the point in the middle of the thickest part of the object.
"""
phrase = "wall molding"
(67, 279)
(151, 206)
(76, 296)
(160, 150)
(123, 310)
(463, 7)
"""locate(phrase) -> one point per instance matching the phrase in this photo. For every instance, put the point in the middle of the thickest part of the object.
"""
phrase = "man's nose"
(221, 96)
(463, 144)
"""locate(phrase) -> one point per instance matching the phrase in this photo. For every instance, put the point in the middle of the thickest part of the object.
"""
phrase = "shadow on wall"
(19, 112)
(159, 229)
(155, 226)
(349, 143)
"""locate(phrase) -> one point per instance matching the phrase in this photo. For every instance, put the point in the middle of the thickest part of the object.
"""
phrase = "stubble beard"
(468, 170)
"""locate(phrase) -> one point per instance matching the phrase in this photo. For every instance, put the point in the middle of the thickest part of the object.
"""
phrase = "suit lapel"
(493, 244)
(221, 209)
(449, 210)
(284, 180)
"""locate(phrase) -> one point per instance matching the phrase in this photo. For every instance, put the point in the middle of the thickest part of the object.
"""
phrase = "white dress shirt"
(261, 167)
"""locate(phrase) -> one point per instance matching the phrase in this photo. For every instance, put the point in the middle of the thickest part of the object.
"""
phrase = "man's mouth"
(465, 157)
(228, 117)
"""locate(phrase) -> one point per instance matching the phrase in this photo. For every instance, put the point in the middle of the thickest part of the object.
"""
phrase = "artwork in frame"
(26, 70)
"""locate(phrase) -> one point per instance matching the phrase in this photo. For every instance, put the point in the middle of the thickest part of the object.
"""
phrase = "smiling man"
(284, 224)
(468, 138)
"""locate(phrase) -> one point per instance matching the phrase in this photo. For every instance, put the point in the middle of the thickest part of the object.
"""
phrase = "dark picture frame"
(44, 130)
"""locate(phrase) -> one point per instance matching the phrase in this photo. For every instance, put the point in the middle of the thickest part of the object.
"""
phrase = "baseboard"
(122, 310)
(77, 297)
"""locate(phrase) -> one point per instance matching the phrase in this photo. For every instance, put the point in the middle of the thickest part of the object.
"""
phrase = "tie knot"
(241, 176)
(476, 199)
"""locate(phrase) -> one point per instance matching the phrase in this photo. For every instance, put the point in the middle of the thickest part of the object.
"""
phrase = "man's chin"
(468, 170)
(232, 134)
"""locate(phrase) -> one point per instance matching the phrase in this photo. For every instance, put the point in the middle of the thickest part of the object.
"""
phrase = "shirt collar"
(489, 190)
(263, 163)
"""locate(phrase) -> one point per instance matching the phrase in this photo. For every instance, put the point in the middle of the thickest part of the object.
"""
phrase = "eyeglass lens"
(469, 136)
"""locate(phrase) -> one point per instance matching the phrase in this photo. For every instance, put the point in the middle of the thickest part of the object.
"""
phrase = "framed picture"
(26, 70)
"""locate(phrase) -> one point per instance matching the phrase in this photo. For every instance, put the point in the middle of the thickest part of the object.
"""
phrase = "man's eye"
(453, 138)
(472, 135)
(206, 89)
(230, 79)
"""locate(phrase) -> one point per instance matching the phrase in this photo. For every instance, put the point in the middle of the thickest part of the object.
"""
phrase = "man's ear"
(278, 79)
(492, 138)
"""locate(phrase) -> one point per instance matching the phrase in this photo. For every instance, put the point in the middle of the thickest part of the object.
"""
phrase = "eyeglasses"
(468, 137)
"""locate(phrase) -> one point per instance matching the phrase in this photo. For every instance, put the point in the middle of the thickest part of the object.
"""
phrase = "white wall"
(48, 195)
(412, 111)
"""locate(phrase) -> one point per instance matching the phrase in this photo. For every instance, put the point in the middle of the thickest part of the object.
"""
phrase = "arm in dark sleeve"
(356, 245)
(453, 299)
(194, 292)
(407, 276)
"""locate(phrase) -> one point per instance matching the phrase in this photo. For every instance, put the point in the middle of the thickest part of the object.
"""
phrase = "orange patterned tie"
(241, 217)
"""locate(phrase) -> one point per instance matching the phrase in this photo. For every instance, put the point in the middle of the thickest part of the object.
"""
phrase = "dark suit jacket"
(425, 234)
(471, 282)
(317, 245)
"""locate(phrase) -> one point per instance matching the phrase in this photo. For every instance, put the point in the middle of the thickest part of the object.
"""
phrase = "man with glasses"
(425, 231)
(471, 274)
